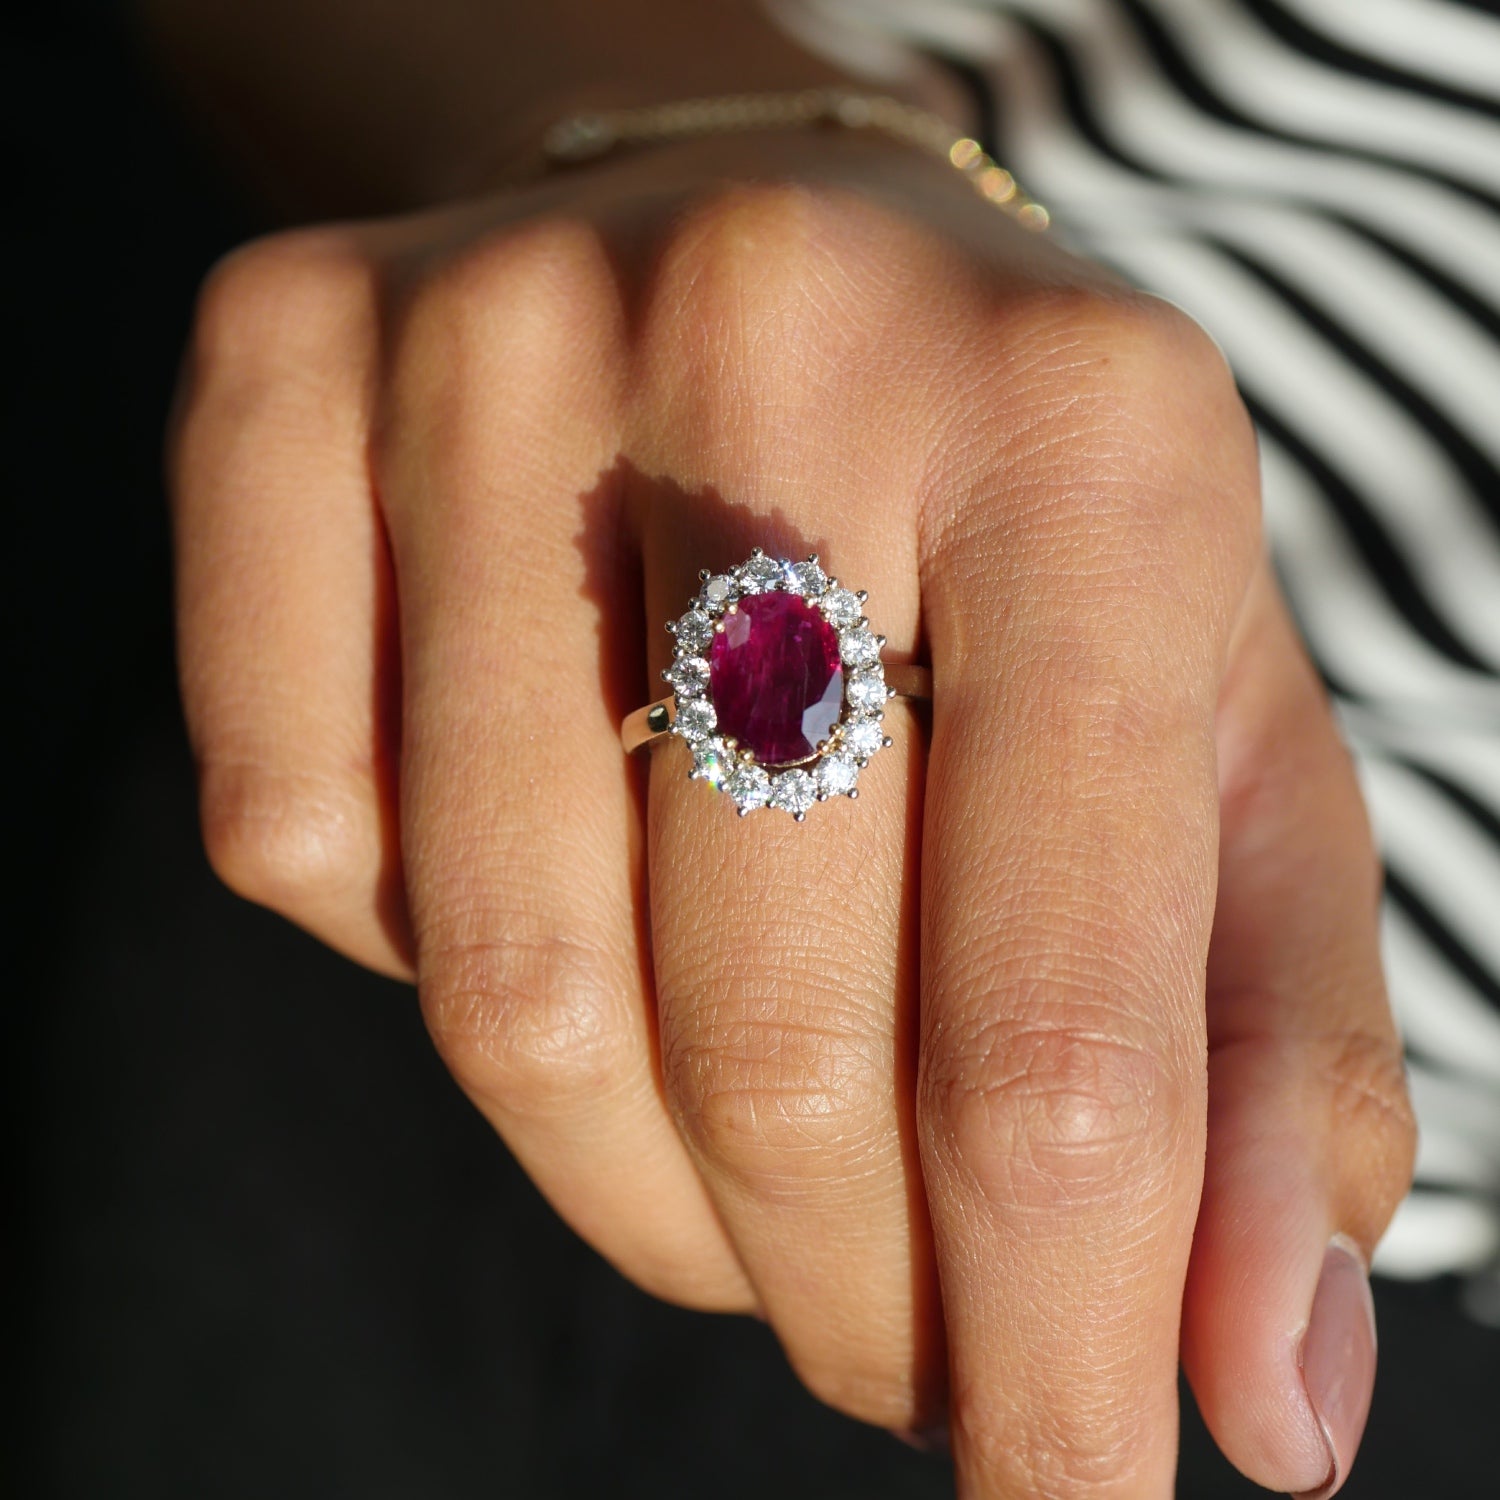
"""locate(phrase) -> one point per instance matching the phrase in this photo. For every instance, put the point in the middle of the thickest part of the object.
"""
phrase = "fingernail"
(1338, 1358)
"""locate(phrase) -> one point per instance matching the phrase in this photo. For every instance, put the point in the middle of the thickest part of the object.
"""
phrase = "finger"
(520, 819)
(785, 961)
(1079, 606)
(1310, 1134)
(283, 599)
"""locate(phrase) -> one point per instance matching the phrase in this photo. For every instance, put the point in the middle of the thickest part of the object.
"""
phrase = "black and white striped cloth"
(1318, 183)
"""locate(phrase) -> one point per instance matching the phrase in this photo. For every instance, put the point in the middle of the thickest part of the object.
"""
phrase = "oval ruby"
(776, 677)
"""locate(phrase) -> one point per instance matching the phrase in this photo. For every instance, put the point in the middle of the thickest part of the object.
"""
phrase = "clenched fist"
(1060, 1052)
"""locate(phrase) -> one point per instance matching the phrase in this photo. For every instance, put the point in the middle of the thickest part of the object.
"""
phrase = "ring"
(777, 686)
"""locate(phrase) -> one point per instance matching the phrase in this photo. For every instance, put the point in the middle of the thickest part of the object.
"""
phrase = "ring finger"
(785, 954)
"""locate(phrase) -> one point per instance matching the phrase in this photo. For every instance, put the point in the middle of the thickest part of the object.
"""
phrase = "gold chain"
(587, 136)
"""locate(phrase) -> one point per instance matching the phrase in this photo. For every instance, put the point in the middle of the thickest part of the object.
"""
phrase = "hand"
(426, 473)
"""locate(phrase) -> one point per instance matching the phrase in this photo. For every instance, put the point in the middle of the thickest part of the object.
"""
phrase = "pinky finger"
(284, 600)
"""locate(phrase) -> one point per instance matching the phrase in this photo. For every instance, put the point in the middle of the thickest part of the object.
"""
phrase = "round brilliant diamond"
(713, 762)
(695, 719)
(749, 786)
(808, 579)
(836, 775)
(689, 677)
(760, 574)
(842, 608)
(694, 630)
(859, 648)
(863, 738)
(793, 792)
(866, 691)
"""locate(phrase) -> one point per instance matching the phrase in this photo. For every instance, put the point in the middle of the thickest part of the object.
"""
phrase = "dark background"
(263, 1247)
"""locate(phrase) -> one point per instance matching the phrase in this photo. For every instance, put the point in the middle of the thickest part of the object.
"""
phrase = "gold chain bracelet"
(587, 136)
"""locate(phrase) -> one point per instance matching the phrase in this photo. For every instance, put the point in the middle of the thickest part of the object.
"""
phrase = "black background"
(263, 1247)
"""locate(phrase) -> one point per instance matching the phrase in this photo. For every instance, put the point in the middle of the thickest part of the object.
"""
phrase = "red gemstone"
(776, 678)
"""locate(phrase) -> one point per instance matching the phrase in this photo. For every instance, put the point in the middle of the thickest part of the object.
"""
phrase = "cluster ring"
(778, 688)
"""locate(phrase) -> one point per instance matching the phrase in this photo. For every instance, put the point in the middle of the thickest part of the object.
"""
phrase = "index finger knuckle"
(1121, 358)
(1120, 412)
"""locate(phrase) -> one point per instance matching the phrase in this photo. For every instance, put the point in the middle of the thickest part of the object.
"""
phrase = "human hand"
(426, 473)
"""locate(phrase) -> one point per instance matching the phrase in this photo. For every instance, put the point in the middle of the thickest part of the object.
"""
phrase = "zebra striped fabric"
(1318, 183)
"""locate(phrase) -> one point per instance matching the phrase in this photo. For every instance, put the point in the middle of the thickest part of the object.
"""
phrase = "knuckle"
(1055, 1455)
(505, 302)
(768, 275)
(1132, 348)
(1122, 409)
(1131, 494)
(1032, 1114)
(287, 304)
(748, 230)
(530, 1021)
(520, 322)
(295, 842)
(773, 1105)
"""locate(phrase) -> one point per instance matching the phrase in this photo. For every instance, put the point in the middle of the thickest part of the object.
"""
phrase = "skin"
(1061, 1053)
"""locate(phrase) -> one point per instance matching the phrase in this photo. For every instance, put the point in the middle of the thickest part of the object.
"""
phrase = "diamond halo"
(838, 756)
